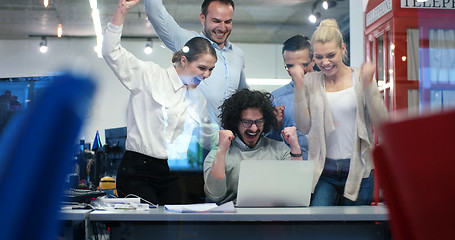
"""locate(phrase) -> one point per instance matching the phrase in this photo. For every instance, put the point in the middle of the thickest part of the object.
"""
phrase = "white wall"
(356, 22)
(22, 58)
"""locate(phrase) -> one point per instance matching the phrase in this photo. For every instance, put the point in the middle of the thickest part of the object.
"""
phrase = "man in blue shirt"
(216, 20)
(296, 50)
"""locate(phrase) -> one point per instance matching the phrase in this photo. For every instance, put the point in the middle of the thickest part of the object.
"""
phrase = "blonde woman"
(335, 108)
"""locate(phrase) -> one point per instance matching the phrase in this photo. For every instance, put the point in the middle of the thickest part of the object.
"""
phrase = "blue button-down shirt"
(228, 74)
(285, 96)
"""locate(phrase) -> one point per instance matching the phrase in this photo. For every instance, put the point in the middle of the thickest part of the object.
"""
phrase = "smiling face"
(250, 135)
(217, 25)
(196, 71)
(299, 57)
(329, 57)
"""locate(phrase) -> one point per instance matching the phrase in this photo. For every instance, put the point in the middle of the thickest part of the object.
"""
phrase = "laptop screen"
(275, 183)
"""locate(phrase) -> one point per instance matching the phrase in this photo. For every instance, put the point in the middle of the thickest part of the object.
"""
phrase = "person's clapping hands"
(279, 114)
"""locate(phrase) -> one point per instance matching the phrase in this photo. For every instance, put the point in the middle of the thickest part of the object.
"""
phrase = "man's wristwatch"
(296, 155)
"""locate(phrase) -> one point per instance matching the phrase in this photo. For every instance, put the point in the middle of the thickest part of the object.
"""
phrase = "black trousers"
(148, 178)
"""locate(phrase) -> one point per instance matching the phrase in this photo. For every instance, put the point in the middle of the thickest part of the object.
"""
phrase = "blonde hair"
(327, 31)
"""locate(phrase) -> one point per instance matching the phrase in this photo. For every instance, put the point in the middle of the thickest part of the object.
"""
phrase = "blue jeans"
(330, 187)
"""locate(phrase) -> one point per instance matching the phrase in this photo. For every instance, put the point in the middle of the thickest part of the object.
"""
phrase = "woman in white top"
(161, 101)
(336, 108)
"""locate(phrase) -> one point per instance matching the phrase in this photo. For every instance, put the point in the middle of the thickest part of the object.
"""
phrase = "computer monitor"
(107, 157)
(115, 142)
(113, 150)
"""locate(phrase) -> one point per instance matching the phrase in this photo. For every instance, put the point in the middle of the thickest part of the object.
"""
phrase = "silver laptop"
(275, 183)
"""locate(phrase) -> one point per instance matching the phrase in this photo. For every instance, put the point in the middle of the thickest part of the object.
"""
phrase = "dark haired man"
(244, 117)
(216, 20)
(296, 50)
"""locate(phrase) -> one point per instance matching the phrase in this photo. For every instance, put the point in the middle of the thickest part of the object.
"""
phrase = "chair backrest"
(415, 165)
(36, 148)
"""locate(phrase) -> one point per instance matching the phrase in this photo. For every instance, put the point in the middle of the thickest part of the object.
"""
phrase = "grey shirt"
(225, 190)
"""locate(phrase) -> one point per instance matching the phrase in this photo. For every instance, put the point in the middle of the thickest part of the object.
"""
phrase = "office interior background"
(413, 48)
(259, 28)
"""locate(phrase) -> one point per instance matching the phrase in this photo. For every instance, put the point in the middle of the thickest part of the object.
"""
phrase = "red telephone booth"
(413, 46)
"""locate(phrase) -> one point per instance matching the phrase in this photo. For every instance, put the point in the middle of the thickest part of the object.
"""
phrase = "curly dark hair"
(243, 99)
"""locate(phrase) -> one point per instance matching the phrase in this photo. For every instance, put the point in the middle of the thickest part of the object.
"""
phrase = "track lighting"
(59, 30)
(314, 17)
(43, 45)
(97, 26)
(326, 4)
(148, 46)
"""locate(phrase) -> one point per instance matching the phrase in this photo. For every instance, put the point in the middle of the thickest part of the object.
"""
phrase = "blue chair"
(36, 149)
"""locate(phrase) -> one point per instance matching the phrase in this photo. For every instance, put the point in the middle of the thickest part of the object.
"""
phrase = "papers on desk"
(119, 203)
(201, 208)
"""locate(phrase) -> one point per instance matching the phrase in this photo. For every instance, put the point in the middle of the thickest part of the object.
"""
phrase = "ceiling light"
(148, 47)
(329, 4)
(59, 30)
(46, 3)
(97, 26)
(93, 4)
(325, 5)
(43, 45)
(314, 17)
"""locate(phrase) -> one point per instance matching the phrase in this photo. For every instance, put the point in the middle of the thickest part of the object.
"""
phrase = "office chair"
(36, 148)
(415, 164)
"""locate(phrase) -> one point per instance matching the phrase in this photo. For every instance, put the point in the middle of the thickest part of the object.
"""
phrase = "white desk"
(74, 214)
(362, 222)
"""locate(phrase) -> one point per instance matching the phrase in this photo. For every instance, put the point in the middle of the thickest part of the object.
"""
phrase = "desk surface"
(354, 213)
(74, 214)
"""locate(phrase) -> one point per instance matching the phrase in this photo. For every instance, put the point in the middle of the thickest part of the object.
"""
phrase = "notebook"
(275, 183)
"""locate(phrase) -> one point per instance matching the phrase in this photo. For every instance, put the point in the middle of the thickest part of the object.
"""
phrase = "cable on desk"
(134, 195)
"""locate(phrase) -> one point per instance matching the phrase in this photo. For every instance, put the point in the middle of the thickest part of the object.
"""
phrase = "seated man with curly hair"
(245, 116)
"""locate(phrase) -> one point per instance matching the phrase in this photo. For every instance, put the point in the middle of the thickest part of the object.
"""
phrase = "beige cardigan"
(313, 117)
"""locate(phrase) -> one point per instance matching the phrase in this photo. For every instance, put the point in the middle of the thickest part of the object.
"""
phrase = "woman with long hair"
(335, 108)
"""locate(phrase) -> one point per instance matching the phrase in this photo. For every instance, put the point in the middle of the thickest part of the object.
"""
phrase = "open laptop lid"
(275, 183)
